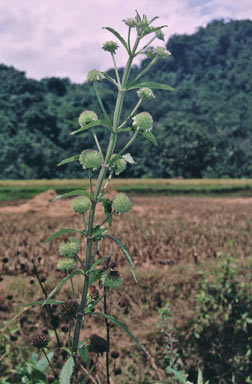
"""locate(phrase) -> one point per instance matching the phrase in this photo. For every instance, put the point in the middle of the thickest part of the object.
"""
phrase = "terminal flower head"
(143, 121)
(87, 117)
(110, 46)
(91, 159)
(145, 94)
(94, 76)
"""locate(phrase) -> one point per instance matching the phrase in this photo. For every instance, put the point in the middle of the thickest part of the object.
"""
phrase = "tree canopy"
(203, 130)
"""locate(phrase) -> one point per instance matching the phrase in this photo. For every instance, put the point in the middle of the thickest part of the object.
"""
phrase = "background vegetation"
(203, 130)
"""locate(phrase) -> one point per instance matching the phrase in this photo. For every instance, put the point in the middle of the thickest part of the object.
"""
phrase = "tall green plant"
(108, 163)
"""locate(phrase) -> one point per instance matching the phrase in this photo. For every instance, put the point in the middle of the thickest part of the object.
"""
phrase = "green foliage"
(203, 129)
(220, 334)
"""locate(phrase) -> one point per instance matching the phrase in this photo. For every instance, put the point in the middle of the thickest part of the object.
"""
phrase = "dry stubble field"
(171, 240)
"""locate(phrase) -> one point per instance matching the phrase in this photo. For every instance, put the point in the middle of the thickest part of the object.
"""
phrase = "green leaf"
(123, 327)
(98, 231)
(94, 276)
(61, 232)
(77, 192)
(178, 375)
(43, 302)
(118, 36)
(107, 205)
(42, 364)
(127, 157)
(200, 378)
(66, 372)
(125, 252)
(97, 262)
(95, 123)
(149, 136)
(84, 353)
(62, 282)
(152, 84)
(68, 160)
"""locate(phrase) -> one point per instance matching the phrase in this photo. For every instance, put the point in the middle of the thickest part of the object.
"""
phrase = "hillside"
(204, 130)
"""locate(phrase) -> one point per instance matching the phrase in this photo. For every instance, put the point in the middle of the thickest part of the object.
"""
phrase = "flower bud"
(70, 249)
(121, 203)
(93, 292)
(145, 94)
(111, 279)
(66, 264)
(118, 165)
(143, 121)
(162, 52)
(110, 46)
(94, 76)
(160, 35)
(87, 117)
(81, 205)
(130, 22)
(91, 159)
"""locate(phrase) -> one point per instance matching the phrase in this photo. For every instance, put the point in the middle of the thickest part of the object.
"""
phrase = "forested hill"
(203, 130)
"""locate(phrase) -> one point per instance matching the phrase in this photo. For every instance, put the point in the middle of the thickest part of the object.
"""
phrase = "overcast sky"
(63, 38)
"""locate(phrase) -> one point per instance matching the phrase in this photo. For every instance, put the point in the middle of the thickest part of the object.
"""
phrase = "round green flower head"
(162, 52)
(121, 203)
(145, 94)
(94, 76)
(143, 121)
(91, 159)
(71, 248)
(81, 205)
(66, 264)
(110, 46)
(130, 22)
(118, 166)
(160, 35)
(87, 117)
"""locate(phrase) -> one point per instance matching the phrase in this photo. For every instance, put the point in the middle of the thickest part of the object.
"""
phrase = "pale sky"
(63, 38)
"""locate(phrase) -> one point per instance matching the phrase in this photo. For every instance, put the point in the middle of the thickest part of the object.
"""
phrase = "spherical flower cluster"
(66, 264)
(70, 249)
(160, 35)
(130, 22)
(81, 205)
(39, 340)
(94, 76)
(121, 203)
(70, 309)
(97, 344)
(91, 159)
(110, 46)
(87, 117)
(145, 94)
(93, 292)
(143, 121)
(162, 52)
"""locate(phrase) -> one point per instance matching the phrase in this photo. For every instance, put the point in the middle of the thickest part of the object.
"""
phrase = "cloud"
(64, 38)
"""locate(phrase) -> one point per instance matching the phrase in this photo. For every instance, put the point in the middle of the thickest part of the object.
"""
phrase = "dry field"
(171, 241)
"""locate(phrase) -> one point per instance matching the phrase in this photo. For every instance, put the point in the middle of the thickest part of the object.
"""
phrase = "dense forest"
(203, 130)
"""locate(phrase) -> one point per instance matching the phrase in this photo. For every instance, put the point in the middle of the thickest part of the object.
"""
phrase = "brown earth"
(171, 240)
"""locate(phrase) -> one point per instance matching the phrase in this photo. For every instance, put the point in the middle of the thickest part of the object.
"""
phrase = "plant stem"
(74, 293)
(55, 374)
(48, 307)
(129, 143)
(107, 337)
(100, 102)
(131, 113)
(96, 141)
(116, 70)
(102, 174)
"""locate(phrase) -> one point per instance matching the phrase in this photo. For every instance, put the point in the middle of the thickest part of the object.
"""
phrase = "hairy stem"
(107, 337)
